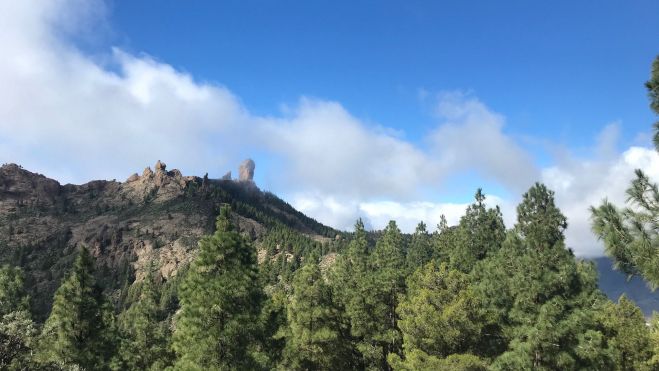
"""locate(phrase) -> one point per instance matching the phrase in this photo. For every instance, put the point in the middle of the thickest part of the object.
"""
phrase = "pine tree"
(316, 340)
(538, 299)
(144, 337)
(443, 240)
(439, 318)
(539, 221)
(349, 279)
(221, 301)
(383, 288)
(420, 251)
(80, 329)
(12, 292)
(626, 338)
(480, 233)
(17, 330)
(631, 235)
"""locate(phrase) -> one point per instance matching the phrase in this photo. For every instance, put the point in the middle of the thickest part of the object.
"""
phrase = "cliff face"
(153, 219)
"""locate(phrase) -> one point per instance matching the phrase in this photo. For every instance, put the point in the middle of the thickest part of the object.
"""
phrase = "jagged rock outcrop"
(226, 176)
(246, 171)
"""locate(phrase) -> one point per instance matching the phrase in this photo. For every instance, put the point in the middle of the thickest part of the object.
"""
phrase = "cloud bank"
(77, 117)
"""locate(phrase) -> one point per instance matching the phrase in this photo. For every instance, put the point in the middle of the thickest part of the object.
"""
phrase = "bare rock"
(147, 173)
(160, 166)
(132, 178)
(227, 176)
(246, 171)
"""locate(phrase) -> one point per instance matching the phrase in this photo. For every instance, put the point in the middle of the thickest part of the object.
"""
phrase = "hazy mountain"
(615, 283)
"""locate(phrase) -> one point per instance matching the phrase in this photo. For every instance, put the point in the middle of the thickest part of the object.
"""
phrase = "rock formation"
(246, 171)
(226, 176)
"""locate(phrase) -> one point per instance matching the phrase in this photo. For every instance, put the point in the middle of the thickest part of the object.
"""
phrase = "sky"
(381, 110)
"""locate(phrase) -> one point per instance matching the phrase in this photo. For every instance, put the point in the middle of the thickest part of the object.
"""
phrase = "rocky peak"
(160, 166)
(246, 171)
(18, 182)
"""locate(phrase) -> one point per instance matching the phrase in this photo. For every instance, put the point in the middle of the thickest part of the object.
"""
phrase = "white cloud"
(335, 153)
(343, 213)
(472, 137)
(78, 117)
(583, 182)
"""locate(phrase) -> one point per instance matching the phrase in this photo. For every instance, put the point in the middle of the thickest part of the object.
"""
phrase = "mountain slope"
(156, 218)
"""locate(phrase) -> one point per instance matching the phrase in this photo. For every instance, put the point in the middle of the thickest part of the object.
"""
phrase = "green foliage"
(80, 329)
(653, 362)
(418, 360)
(12, 290)
(653, 93)
(420, 250)
(537, 298)
(539, 221)
(18, 336)
(631, 235)
(480, 233)
(18, 332)
(144, 335)
(220, 304)
(439, 317)
(626, 341)
(316, 339)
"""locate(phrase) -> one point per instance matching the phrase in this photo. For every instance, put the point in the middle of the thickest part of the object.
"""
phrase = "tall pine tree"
(383, 288)
(439, 318)
(144, 344)
(317, 335)
(420, 251)
(80, 329)
(221, 299)
(480, 233)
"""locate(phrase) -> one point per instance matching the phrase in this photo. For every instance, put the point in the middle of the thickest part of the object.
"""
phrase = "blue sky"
(380, 110)
(559, 70)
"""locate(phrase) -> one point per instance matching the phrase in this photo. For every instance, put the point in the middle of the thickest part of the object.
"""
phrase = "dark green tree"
(350, 280)
(538, 299)
(480, 233)
(316, 338)
(144, 344)
(80, 330)
(539, 221)
(420, 251)
(443, 241)
(383, 288)
(217, 327)
(12, 291)
(631, 235)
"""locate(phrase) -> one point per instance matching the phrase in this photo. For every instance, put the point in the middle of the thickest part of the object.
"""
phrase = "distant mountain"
(614, 283)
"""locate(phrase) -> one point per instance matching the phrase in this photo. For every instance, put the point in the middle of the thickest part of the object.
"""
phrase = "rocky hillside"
(154, 219)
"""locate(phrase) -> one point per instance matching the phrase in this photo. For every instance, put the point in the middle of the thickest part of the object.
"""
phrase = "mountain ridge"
(156, 218)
